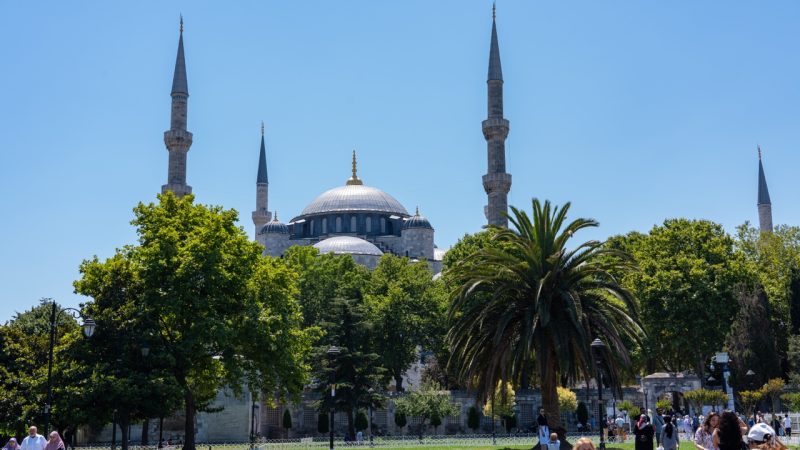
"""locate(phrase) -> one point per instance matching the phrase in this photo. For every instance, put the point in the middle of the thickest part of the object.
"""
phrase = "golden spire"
(276, 216)
(417, 212)
(181, 23)
(354, 179)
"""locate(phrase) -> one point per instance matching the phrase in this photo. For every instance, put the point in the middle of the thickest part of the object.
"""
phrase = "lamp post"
(88, 330)
(598, 347)
(371, 394)
(332, 352)
(751, 376)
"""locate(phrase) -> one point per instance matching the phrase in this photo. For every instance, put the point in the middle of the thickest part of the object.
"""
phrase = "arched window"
(383, 225)
(324, 225)
(368, 224)
(312, 226)
(353, 225)
(339, 224)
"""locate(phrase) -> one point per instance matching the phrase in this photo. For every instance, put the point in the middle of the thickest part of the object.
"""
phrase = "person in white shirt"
(787, 425)
(34, 440)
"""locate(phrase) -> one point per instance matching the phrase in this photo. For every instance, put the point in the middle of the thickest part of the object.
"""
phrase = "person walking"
(787, 426)
(11, 444)
(34, 440)
(544, 429)
(669, 438)
(704, 436)
(55, 442)
(658, 424)
(643, 431)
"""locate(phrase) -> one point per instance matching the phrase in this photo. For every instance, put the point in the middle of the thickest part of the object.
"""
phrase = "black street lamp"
(598, 347)
(88, 330)
(332, 352)
(371, 393)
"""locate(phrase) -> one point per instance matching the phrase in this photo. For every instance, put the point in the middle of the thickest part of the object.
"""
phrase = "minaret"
(496, 182)
(764, 204)
(262, 215)
(177, 139)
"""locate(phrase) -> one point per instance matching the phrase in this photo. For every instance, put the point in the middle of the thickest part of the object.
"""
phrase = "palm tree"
(526, 301)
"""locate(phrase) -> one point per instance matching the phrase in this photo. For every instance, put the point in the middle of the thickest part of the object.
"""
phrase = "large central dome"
(354, 197)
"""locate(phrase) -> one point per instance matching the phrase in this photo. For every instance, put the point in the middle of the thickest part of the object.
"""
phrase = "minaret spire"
(262, 215)
(177, 138)
(496, 182)
(764, 203)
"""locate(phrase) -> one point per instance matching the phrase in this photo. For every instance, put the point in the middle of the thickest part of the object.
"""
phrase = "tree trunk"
(124, 420)
(351, 428)
(188, 429)
(398, 381)
(549, 383)
(146, 432)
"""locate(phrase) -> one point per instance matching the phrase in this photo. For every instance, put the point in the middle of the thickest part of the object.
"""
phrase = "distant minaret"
(262, 215)
(496, 182)
(764, 204)
(177, 139)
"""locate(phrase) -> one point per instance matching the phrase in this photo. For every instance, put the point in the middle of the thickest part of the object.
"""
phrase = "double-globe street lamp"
(332, 352)
(88, 330)
(597, 348)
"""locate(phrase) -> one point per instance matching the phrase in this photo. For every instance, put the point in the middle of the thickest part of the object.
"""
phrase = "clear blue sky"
(634, 111)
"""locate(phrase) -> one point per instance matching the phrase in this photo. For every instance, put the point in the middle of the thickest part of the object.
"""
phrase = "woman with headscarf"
(11, 444)
(644, 432)
(55, 442)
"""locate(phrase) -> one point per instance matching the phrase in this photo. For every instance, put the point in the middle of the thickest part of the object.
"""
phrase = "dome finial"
(276, 216)
(354, 179)
(417, 211)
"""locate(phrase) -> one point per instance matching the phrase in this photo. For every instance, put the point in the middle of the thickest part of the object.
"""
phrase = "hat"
(760, 432)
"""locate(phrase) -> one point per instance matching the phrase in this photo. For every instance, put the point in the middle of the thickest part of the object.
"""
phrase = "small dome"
(347, 245)
(417, 221)
(275, 226)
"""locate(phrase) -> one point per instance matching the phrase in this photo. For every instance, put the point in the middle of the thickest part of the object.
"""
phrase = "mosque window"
(383, 225)
(312, 227)
(368, 224)
(324, 225)
(353, 225)
(339, 224)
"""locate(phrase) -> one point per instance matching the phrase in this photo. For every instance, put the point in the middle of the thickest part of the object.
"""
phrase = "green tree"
(473, 418)
(582, 413)
(792, 400)
(24, 342)
(751, 342)
(749, 400)
(356, 366)
(629, 408)
(361, 421)
(502, 402)
(406, 311)
(567, 400)
(120, 377)
(773, 390)
(531, 300)
(287, 421)
(322, 423)
(425, 403)
(226, 316)
(322, 278)
(400, 419)
(685, 265)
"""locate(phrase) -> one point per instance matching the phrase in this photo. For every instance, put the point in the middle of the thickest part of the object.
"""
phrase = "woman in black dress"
(644, 432)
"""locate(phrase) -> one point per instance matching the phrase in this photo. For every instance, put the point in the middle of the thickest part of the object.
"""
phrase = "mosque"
(355, 219)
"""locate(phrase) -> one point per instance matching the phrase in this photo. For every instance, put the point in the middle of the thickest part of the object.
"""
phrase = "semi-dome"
(275, 226)
(347, 245)
(417, 221)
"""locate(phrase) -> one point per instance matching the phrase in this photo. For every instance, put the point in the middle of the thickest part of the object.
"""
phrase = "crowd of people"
(35, 441)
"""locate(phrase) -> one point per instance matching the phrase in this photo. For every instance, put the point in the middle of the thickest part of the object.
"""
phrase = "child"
(553, 443)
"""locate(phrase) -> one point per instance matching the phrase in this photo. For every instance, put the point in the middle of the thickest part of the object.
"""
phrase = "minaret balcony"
(495, 128)
(497, 182)
(178, 140)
